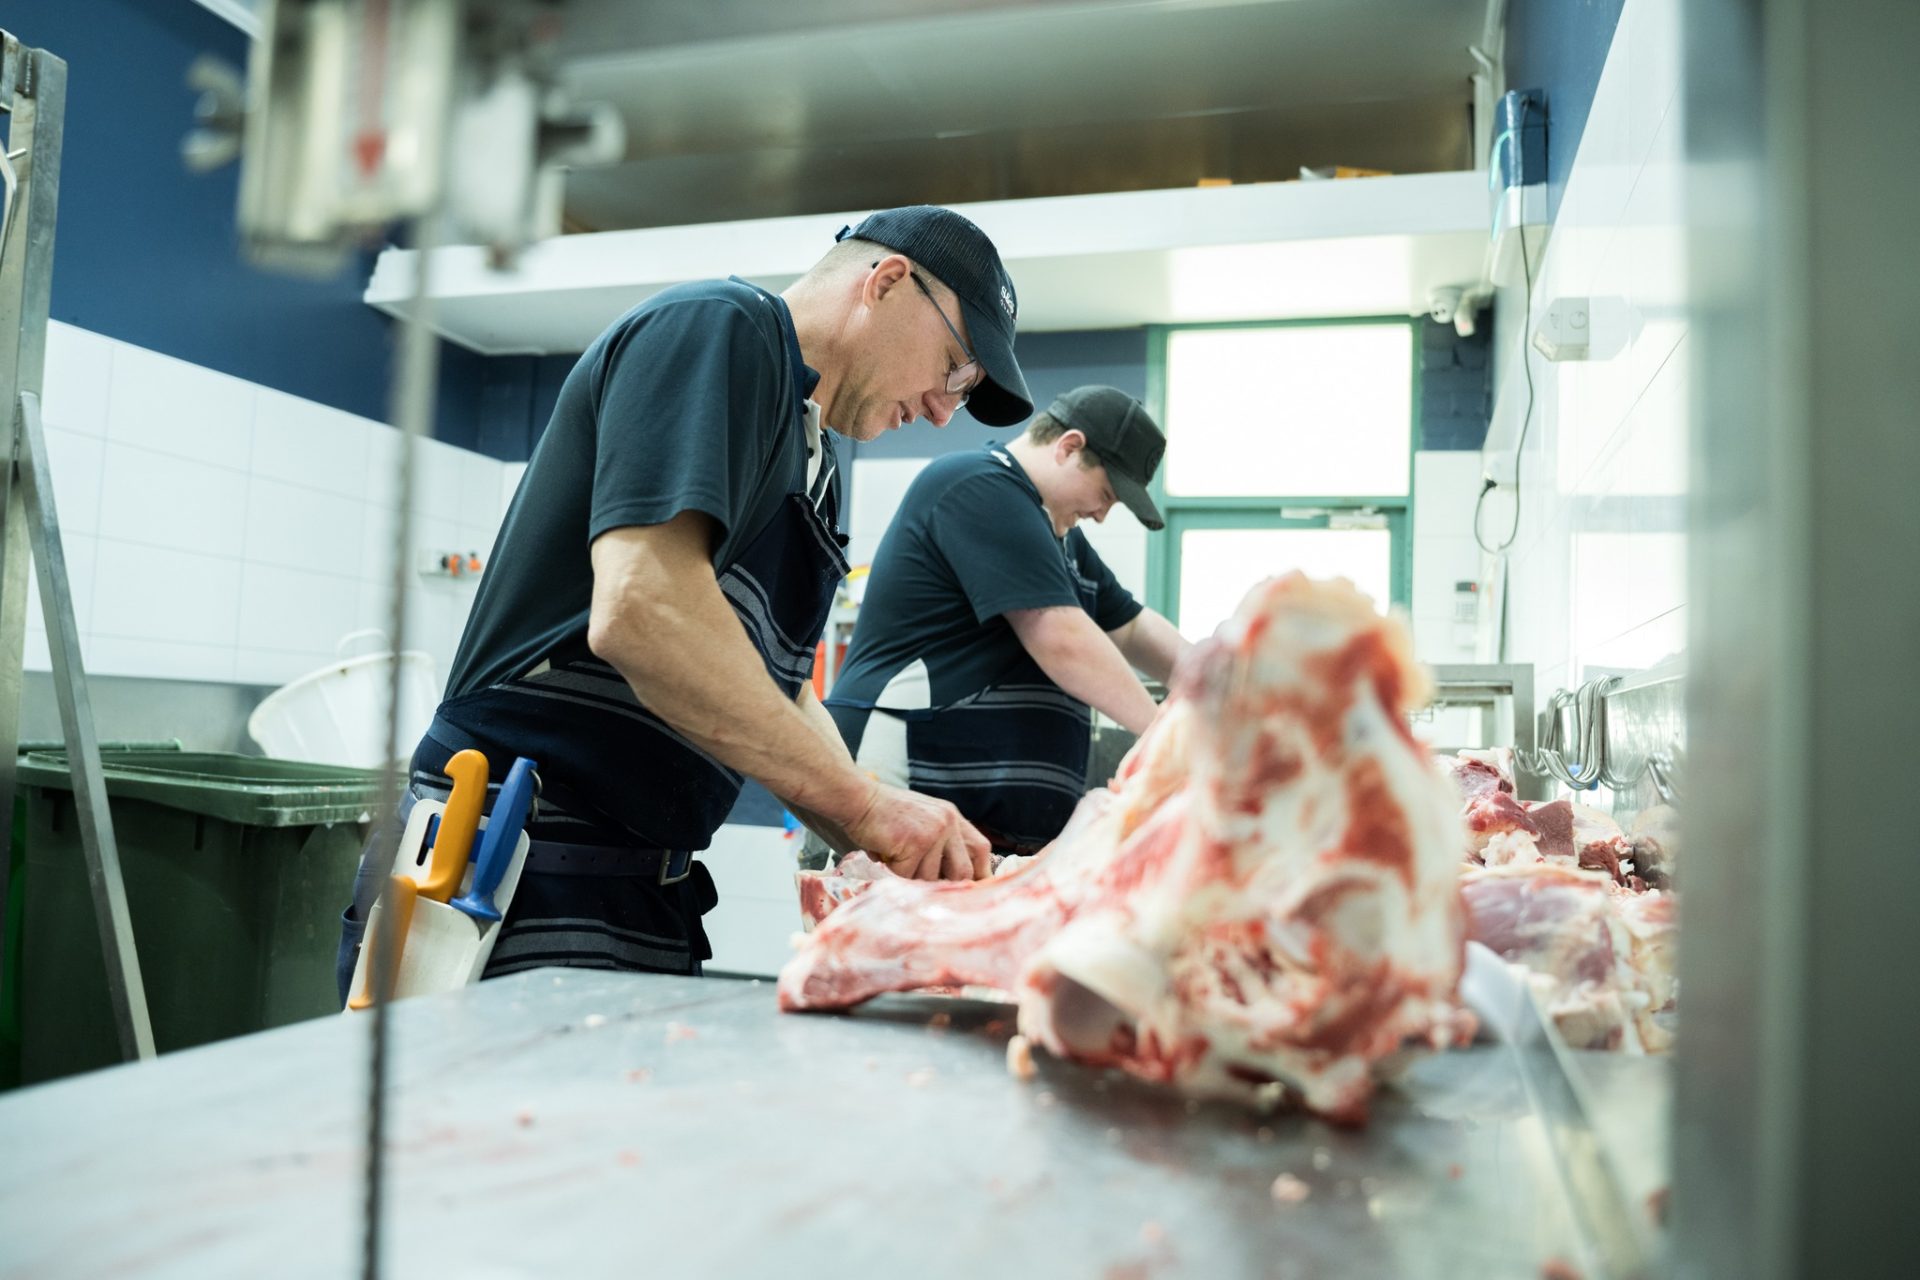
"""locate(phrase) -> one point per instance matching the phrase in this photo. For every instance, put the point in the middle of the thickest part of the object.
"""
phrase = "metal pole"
(33, 89)
(20, 365)
(413, 413)
(124, 985)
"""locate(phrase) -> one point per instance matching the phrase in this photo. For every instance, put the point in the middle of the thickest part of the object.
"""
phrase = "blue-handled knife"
(498, 841)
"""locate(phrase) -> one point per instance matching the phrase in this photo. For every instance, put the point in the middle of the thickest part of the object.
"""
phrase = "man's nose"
(938, 407)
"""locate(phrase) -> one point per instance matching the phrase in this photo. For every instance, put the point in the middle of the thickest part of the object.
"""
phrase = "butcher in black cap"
(646, 628)
(991, 628)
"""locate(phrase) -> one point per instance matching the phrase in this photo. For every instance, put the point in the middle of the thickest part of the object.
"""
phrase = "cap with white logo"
(961, 256)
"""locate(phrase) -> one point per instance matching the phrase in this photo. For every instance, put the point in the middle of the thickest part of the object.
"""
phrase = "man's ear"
(1069, 446)
(889, 273)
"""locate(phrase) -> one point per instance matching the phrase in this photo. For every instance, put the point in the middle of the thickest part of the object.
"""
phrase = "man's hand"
(920, 837)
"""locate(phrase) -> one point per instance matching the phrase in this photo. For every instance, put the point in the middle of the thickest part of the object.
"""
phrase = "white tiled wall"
(1445, 485)
(219, 530)
(1597, 572)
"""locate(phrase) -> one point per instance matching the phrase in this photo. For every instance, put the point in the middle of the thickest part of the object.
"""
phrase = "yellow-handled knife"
(458, 824)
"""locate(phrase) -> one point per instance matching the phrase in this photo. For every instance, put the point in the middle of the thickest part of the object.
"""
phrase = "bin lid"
(60, 745)
(251, 790)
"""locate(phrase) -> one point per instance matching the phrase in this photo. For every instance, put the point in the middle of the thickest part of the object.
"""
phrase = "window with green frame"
(1289, 446)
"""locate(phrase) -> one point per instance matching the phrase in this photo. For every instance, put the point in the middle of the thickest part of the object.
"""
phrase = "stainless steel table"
(571, 1124)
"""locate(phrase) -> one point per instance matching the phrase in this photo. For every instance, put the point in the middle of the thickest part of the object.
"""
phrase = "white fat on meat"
(1264, 905)
(1601, 958)
(1476, 773)
(1651, 921)
(1559, 887)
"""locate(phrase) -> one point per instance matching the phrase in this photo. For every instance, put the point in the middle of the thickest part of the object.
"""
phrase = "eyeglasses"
(961, 378)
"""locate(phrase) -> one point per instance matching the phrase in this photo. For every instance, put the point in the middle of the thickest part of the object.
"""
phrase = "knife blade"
(401, 894)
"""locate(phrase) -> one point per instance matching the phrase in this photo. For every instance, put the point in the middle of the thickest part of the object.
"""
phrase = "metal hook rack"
(1576, 739)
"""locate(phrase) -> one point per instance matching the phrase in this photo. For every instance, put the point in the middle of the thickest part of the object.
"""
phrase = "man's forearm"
(1083, 660)
(1152, 644)
(669, 631)
(831, 832)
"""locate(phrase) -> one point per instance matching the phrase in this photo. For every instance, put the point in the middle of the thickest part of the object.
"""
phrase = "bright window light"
(1217, 566)
(1291, 411)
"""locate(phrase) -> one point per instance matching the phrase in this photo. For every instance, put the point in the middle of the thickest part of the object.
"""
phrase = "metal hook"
(1576, 720)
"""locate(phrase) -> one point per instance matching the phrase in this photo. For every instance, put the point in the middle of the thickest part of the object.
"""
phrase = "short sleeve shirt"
(970, 543)
(684, 404)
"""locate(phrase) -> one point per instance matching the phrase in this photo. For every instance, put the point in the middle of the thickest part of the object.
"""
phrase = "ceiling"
(1278, 250)
(746, 109)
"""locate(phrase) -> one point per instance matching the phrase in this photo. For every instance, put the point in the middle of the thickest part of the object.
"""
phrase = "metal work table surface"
(603, 1124)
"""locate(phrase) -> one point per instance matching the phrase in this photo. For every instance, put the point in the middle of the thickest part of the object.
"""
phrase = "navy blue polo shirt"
(971, 541)
(685, 404)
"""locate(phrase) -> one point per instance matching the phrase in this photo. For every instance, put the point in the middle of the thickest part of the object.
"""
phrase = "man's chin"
(859, 432)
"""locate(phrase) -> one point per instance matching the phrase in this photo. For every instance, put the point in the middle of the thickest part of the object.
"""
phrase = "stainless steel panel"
(753, 108)
(598, 1124)
(1490, 687)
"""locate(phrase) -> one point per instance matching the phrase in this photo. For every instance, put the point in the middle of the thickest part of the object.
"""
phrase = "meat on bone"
(1265, 903)
(1600, 957)
(1600, 946)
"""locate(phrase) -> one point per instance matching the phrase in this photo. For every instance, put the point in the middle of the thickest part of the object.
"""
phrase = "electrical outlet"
(450, 564)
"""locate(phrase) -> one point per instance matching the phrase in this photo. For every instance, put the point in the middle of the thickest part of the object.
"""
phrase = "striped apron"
(1012, 757)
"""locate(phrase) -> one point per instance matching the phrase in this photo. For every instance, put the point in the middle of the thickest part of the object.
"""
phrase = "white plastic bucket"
(337, 715)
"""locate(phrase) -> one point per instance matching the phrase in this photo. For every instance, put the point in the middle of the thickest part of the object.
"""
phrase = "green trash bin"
(236, 869)
(16, 909)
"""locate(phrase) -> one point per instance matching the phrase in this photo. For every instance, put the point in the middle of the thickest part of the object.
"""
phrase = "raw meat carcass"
(1505, 831)
(1557, 886)
(1500, 823)
(822, 891)
(1480, 773)
(1265, 903)
(1655, 840)
(1493, 814)
(1651, 923)
(1599, 844)
(1601, 957)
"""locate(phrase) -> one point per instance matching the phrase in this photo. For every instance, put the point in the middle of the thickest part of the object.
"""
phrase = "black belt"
(551, 858)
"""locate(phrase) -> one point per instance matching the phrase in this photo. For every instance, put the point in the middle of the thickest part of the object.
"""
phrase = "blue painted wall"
(498, 404)
(147, 252)
(1559, 47)
(1456, 385)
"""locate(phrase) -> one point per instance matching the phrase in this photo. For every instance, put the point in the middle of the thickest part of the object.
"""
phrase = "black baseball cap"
(960, 254)
(1124, 436)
